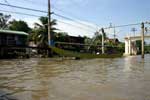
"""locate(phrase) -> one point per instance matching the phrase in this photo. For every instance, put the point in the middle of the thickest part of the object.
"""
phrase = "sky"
(94, 13)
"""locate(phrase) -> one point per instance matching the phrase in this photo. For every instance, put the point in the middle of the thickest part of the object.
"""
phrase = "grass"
(67, 53)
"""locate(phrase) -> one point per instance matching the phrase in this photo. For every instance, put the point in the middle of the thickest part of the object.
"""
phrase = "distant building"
(70, 43)
(70, 39)
(109, 40)
(74, 39)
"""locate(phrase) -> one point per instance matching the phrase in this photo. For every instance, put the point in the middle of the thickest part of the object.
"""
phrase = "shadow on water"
(6, 96)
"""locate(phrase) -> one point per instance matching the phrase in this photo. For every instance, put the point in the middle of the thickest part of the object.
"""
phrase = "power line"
(35, 2)
(44, 12)
(73, 16)
(40, 16)
(20, 13)
(7, 2)
(23, 8)
(126, 25)
(59, 10)
(55, 8)
(73, 20)
(75, 26)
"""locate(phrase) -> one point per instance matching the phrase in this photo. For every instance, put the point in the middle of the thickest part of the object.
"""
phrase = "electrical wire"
(40, 16)
(72, 16)
(61, 11)
(45, 12)
(126, 25)
(73, 20)
(19, 7)
(20, 13)
(76, 26)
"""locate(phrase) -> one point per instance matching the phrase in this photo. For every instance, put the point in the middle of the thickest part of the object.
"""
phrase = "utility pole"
(114, 33)
(49, 22)
(142, 38)
(114, 30)
(133, 30)
(103, 49)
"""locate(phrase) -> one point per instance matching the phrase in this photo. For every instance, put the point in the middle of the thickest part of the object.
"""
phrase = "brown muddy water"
(93, 79)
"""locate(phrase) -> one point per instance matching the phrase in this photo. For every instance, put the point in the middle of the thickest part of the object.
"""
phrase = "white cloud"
(82, 28)
(31, 21)
(76, 29)
(72, 28)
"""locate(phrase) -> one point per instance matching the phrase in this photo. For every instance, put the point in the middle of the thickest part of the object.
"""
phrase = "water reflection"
(95, 79)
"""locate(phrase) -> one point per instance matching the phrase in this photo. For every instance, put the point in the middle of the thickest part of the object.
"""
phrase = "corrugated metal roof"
(13, 32)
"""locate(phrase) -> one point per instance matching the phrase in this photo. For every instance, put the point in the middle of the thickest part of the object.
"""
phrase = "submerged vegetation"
(83, 55)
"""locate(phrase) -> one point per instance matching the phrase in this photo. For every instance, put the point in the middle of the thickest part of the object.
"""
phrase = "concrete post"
(129, 44)
(126, 47)
(142, 38)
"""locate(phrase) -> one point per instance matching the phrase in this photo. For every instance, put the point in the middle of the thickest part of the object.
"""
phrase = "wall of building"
(12, 40)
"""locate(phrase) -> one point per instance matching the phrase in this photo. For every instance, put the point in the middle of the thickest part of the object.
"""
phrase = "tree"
(40, 31)
(97, 39)
(19, 26)
(61, 37)
(139, 45)
(4, 20)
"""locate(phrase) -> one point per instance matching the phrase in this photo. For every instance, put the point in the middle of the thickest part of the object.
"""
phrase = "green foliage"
(4, 20)
(40, 32)
(82, 55)
(138, 45)
(97, 39)
(87, 40)
(121, 47)
(61, 37)
(19, 26)
(147, 49)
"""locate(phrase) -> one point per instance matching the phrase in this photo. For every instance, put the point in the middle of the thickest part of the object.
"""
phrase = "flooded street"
(89, 79)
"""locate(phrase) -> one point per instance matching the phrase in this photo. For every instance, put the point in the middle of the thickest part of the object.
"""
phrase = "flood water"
(89, 79)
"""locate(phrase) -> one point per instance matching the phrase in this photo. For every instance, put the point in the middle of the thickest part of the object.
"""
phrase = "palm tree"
(40, 32)
(4, 20)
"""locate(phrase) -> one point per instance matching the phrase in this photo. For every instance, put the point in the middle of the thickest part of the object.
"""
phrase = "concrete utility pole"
(142, 38)
(103, 49)
(114, 33)
(49, 22)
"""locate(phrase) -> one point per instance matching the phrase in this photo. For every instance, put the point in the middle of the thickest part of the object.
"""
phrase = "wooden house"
(13, 38)
(12, 43)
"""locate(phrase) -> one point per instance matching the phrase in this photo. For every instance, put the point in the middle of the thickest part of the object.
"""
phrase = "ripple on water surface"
(93, 79)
